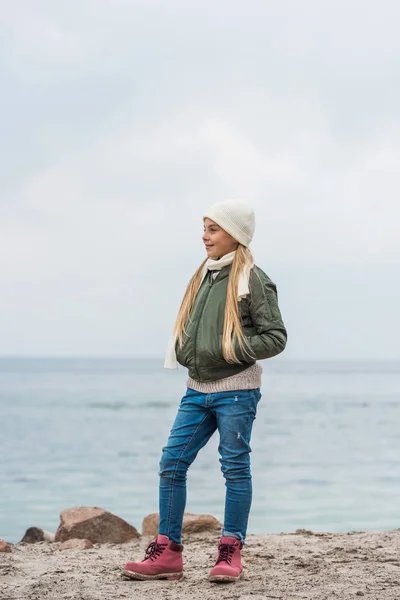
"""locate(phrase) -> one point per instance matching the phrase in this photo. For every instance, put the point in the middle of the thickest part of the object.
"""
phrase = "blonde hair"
(233, 332)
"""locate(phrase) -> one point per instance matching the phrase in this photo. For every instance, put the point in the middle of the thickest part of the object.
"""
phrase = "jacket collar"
(222, 274)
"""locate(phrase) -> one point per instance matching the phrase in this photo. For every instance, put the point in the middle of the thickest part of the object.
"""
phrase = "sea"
(89, 432)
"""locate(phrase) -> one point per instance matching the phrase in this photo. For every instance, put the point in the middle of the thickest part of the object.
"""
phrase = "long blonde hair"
(233, 332)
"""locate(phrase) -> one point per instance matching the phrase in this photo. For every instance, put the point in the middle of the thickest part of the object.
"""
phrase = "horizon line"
(161, 358)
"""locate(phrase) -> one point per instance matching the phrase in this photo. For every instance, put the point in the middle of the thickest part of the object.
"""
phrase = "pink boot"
(229, 565)
(163, 560)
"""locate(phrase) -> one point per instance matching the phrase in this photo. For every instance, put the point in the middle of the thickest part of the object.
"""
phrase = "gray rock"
(35, 534)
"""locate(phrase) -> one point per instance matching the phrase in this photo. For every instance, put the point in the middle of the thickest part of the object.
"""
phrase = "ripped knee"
(171, 468)
(236, 473)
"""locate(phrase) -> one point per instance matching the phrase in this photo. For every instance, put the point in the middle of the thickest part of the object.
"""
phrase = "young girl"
(229, 318)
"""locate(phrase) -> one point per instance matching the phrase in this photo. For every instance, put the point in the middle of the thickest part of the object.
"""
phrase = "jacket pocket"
(212, 353)
(184, 354)
(245, 355)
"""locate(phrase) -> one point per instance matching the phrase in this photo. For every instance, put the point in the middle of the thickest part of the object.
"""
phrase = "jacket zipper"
(198, 324)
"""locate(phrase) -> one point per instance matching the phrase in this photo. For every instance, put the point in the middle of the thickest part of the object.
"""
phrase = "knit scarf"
(211, 265)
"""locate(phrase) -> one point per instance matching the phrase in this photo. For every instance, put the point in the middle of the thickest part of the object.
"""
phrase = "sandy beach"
(302, 565)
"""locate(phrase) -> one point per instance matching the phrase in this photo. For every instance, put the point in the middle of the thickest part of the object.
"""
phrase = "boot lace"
(225, 553)
(154, 550)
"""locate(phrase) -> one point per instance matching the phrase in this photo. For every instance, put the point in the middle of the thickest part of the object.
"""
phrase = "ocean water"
(326, 443)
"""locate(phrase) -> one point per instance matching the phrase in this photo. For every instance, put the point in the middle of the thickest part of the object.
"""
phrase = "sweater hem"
(248, 379)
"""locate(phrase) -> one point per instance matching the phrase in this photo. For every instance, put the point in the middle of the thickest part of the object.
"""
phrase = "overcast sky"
(123, 120)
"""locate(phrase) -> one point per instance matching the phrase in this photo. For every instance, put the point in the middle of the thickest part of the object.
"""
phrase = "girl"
(229, 318)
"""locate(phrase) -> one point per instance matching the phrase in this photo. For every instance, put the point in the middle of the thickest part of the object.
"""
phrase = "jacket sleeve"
(269, 338)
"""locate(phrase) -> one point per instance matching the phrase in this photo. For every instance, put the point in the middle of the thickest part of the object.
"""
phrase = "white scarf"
(211, 265)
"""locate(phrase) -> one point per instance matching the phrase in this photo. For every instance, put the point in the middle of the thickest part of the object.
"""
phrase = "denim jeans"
(199, 416)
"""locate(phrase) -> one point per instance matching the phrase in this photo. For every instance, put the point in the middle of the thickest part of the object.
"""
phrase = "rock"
(304, 532)
(191, 524)
(196, 523)
(150, 524)
(76, 544)
(35, 534)
(94, 524)
(4, 547)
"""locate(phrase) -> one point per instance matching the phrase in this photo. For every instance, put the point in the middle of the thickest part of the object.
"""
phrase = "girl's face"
(216, 240)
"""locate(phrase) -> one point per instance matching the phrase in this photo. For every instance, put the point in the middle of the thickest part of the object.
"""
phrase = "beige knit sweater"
(248, 379)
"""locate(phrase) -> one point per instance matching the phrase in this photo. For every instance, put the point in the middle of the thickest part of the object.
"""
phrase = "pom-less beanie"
(236, 217)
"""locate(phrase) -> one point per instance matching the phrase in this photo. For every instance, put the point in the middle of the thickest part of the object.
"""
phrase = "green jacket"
(261, 320)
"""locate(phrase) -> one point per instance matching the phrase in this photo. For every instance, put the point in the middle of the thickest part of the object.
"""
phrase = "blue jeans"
(199, 416)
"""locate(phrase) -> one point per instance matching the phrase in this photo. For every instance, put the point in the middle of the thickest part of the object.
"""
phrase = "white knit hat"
(234, 216)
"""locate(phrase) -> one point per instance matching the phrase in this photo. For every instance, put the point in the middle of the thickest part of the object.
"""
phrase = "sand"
(282, 566)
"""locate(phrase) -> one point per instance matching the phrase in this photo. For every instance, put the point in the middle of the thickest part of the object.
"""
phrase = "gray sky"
(122, 121)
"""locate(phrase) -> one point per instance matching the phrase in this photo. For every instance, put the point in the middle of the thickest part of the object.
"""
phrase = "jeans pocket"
(256, 395)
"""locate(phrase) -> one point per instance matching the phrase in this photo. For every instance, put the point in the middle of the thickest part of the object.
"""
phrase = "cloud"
(124, 123)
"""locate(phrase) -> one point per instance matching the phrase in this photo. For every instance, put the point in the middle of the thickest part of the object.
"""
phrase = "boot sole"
(142, 577)
(224, 578)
